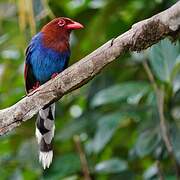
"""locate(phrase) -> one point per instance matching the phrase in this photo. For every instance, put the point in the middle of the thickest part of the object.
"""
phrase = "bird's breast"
(46, 61)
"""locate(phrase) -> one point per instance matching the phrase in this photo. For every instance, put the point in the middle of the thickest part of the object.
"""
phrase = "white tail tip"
(45, 158)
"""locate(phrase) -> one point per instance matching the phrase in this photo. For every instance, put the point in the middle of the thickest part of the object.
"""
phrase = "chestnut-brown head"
(56, 32)
(62, 24)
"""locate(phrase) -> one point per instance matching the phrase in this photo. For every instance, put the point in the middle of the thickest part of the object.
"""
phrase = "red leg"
(34, 89)
(36, 85)
(54, 75)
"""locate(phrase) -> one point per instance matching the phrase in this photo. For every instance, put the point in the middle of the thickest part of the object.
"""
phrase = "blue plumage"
(45, 61)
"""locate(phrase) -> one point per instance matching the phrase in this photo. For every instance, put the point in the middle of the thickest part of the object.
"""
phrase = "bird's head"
(62, 24)
(56, 33)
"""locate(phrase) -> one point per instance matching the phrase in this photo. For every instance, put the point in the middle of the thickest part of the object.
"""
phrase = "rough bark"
(141, 36)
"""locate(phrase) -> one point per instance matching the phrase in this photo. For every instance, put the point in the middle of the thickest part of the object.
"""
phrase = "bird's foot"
(36, 85)
(34, 89)
(54, 75)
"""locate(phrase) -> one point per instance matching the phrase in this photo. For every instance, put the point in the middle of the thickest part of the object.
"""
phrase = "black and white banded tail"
(45, 127)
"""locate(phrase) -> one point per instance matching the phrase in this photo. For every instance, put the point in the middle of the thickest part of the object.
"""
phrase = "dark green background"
(115, 115)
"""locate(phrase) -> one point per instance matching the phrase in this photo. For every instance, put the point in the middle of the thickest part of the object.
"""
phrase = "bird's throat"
(58, 41)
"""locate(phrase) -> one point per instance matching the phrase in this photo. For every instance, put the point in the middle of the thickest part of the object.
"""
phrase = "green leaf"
(175, 141)
(176, 84)
(16, 175)
(30, 161)
(147, 142)
(114, 165)
(74, 127)
(132, 92)
(150, 172)
(74, 177)
(30, 174)
(139, 57)
(79, 125)
(162, 57)
(176, 68)
(63, 166)
(107, 126)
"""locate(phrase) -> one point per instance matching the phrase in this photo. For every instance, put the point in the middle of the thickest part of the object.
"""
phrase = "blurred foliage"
(115, 115)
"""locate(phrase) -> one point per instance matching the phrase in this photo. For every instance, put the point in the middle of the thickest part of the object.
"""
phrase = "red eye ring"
(61, 22)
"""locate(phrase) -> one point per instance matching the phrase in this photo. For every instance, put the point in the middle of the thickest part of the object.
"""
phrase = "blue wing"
(42, 62)
(29, 77)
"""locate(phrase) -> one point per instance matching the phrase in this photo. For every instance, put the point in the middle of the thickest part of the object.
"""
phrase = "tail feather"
(45, 132)
(45, 158)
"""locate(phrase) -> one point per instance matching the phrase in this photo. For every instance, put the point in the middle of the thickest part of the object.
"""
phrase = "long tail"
(44, 133)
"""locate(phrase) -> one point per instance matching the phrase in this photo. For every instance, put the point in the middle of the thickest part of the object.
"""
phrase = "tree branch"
(141, 36)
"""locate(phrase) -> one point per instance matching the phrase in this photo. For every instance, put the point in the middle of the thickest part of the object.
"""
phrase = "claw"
(54, 75)
(34, 89)
(36, 85)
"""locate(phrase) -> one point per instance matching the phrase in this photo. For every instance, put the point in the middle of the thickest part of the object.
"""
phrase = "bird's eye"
(61, 22)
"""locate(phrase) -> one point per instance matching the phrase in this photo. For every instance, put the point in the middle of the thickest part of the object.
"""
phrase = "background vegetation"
(115, 119)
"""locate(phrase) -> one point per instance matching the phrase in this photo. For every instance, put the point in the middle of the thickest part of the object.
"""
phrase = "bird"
(46, 56)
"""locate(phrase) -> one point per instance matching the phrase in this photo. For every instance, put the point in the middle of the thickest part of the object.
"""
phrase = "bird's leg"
(54, 75)
(36, 85)
(34, 89)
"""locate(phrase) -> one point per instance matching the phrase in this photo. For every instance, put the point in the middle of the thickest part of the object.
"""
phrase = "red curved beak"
(74, 25)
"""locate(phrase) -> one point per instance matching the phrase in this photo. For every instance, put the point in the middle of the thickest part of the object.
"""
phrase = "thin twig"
(84, 163)
(160, 173)
(150, 76)
(163, 125)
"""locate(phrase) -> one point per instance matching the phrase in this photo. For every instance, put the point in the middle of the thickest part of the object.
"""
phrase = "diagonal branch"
(141, 36)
